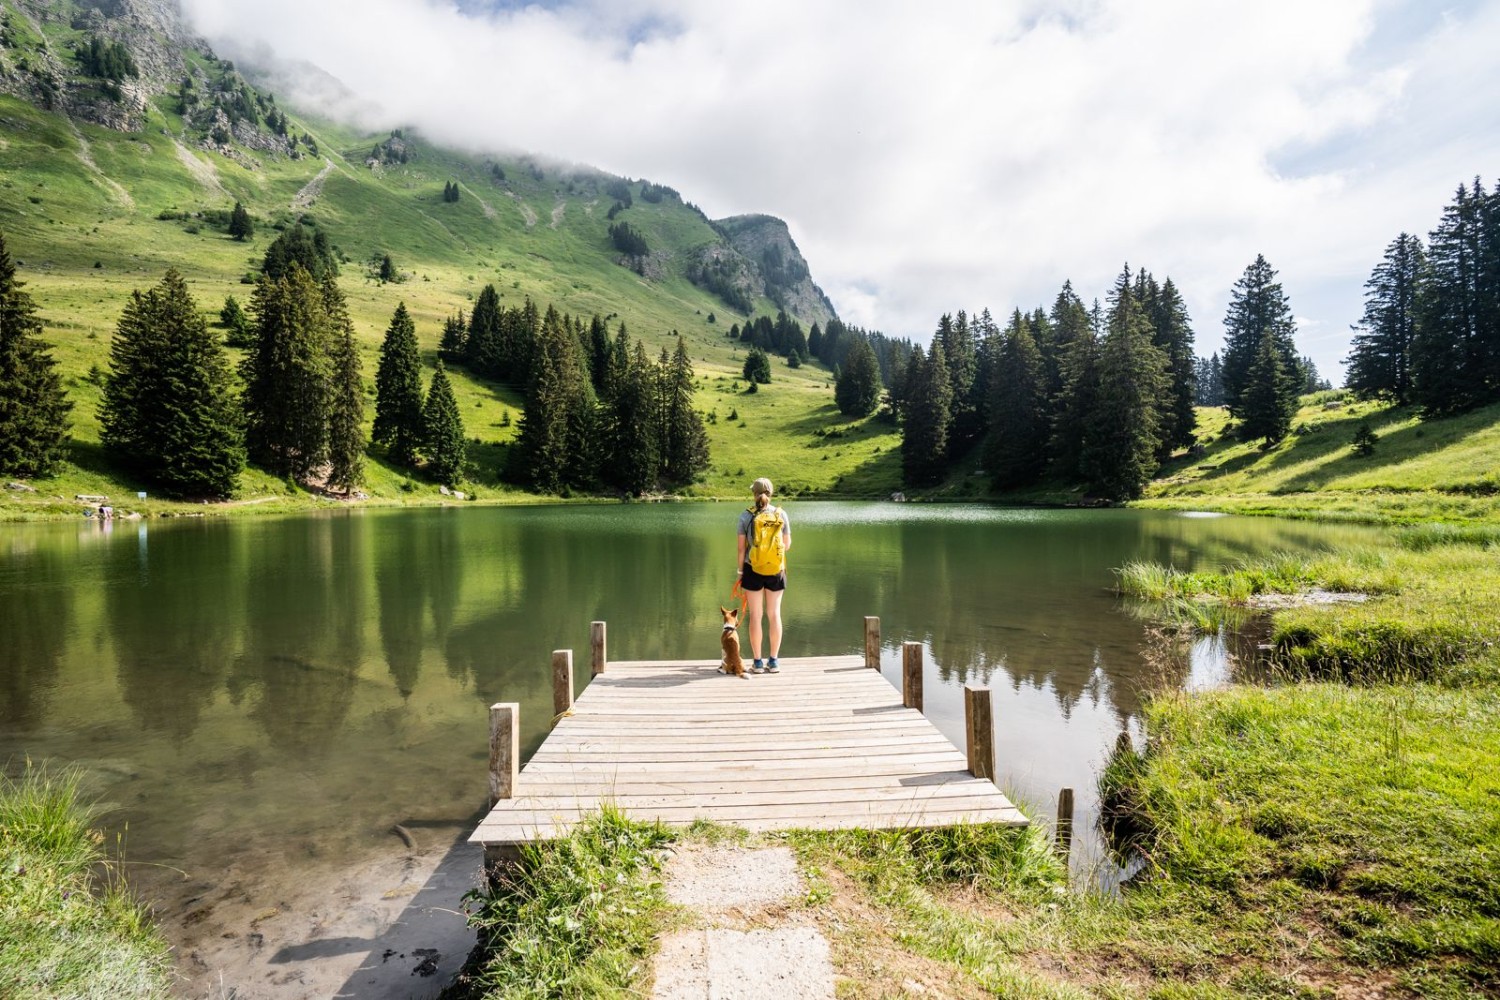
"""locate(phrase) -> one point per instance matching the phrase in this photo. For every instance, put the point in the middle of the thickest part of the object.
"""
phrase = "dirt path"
(747, 941)
(312, 188)
(557, 212)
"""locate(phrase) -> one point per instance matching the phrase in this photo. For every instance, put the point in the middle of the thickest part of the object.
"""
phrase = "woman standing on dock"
(765, 535)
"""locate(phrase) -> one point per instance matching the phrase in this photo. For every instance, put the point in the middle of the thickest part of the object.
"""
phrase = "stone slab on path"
(788, 960)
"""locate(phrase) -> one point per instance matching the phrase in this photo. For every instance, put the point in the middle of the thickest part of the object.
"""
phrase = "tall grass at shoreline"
(68, 926)
(573, 919)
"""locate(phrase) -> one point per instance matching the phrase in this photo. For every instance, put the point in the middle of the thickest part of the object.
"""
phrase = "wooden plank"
(773, 743)
(872, 643)
(980, 725)
(941, 760)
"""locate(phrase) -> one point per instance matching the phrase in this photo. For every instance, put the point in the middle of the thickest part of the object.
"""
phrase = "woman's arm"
(739, 562)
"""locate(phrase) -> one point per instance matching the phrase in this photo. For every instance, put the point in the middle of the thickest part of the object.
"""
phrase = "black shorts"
(751, 580)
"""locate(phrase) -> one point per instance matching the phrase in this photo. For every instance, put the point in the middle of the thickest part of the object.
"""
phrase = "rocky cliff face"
(767, 245)
(39, 40)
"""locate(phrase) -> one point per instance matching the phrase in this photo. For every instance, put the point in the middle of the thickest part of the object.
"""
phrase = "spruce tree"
(1173, 336)
(547, 453)
(288, 376)
(1257, 307)
(924, 436)
(482, 350)
(446, 447)
(169, 409)
(1267, 405)
(598, 354)
(240, 226)
(232, 317)
(686, 452)
(1015, 452)
(455, 335)
(1380, 355)
(346, 413)
(856, 391)
(757, 367)
(399, 421)
(33, 407)
(1456, 347)
(961, 354)
(1123, 429)
(1078, 372)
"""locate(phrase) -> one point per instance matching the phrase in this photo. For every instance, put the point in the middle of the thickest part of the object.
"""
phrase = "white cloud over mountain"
(964, 154)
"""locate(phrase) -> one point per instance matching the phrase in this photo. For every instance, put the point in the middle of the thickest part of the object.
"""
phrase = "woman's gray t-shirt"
(747, 516)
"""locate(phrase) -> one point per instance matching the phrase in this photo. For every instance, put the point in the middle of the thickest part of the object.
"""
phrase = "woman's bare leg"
(754, 609)
(773, 611)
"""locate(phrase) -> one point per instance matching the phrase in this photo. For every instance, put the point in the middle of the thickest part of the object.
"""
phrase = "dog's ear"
(723, 610)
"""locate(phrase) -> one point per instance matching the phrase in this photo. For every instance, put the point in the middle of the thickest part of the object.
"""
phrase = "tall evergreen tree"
(454, 339)
(445, 444)
(520, 330)
(482, 350)
(33, 407)
(1015, 453)
(240, 225)
(686, 451)
(1257, 307)
(548, 447)
(169, 409)
(924, 437)
(961, 351)
(637, 414)
(1079, 372)
(856, 391)
(288, 376)
(598, 353)
(346, 414)
(1264, 403)
(1123, 429)
(1456, 346)
(1173, 336)
(399, 421)
(1380, 354)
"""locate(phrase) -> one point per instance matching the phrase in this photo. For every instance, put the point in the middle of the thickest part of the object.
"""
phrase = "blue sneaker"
(756, 668)
(771, 667)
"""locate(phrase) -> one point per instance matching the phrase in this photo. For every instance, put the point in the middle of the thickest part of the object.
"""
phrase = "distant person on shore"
(765, 535)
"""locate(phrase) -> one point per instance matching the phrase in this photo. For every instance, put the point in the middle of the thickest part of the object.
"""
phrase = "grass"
(1420, 471)
(575, 917)
(60, 218)
(68, 927)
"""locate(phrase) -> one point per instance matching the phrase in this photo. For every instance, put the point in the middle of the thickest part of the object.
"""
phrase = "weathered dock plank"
(825, 744)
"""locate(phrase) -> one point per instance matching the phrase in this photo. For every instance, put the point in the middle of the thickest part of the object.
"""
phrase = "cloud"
(964, 153)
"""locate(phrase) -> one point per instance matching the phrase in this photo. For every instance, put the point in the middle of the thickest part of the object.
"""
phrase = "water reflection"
(231, 681)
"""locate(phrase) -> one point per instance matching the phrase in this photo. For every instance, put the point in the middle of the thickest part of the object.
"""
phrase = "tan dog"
(730, 640)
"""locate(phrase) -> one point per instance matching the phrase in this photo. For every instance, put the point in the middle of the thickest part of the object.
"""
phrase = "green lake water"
(289, 688)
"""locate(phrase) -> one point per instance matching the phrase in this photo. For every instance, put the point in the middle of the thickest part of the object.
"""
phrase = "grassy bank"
(68, 928)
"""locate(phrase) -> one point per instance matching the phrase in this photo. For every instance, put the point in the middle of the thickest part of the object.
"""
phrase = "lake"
(257, 702)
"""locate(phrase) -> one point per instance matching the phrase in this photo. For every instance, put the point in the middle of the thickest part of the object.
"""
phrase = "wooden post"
(505, 750)
(872, 643)
(596, 642)
(562, 681)
(911, 675)
(979, 722)
(1065, 823)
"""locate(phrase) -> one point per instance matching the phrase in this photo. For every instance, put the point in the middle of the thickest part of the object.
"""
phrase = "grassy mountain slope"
(93, 213)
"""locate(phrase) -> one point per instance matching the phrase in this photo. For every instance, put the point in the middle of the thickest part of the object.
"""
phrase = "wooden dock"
(827, 743)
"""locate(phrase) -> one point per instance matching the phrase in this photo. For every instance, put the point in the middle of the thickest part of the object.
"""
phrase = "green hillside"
(1418, 470)
(92, 213)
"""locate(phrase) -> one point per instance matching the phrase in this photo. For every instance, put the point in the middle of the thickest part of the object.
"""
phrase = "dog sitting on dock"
(730, 640)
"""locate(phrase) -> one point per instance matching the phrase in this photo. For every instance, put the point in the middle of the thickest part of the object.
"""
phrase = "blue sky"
(963, 154)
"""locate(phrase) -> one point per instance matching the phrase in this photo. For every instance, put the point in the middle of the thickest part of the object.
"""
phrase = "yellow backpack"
(767, 556)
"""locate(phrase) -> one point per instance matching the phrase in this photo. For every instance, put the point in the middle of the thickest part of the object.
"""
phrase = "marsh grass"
(68, 926)
(574, 918)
